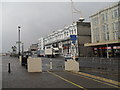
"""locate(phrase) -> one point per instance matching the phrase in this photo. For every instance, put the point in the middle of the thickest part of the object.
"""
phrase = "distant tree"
(14, 49)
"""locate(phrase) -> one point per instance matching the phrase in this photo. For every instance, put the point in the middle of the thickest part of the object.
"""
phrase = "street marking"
(66, 80)
(95, 80)
(100, 78)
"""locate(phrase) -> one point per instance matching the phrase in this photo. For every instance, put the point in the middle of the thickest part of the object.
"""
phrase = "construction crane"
(74, 10)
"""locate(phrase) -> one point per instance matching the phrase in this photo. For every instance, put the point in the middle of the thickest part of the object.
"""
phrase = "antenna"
(74, 10)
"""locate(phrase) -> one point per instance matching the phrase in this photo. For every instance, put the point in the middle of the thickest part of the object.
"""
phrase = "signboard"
(73, 38)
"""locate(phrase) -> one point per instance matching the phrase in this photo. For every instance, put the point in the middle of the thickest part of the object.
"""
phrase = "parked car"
(68, 56)
(71, 56)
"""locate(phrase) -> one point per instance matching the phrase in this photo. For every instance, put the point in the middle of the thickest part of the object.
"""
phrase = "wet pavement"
(56, 78)
(103, 67)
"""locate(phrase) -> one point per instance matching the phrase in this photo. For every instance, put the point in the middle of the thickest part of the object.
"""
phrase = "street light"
(19, 40)
(22, 48)
(107, 51)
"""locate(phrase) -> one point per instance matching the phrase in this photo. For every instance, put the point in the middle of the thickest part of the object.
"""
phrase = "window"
(115, 13)
(116, 30)
(67, 33)
(72, 31)
(105, 32)
(95, 20)
(64, 33)
(116, 35)
(104, 16)
(75, 31)
(119, 11)
(116, 26)
(96, 34)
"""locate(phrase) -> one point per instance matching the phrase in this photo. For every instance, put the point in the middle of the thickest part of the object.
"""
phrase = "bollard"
(26, 66)
(51, 64)
(9, 70)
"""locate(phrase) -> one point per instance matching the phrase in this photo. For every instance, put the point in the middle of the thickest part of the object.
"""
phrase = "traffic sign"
(73, 37)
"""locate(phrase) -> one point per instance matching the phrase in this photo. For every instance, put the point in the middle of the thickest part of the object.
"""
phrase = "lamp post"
(107, 51)
(22, 48)
(19, 40)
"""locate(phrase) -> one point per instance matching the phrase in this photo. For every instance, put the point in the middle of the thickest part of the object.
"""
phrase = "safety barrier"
(34, 64)
(71, 65)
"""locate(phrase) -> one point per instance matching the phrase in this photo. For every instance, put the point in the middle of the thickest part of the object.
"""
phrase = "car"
(68, 56)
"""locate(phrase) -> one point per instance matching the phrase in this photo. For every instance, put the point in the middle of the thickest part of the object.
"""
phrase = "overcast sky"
(37, 19)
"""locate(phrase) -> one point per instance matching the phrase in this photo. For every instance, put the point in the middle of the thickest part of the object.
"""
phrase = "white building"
(41, 43)
(105, 30)
(61, 39)
(104, 24)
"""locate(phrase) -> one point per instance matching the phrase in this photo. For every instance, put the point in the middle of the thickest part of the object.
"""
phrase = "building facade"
(41, 43)
(105, 31)
(33, 48)
(61, 39)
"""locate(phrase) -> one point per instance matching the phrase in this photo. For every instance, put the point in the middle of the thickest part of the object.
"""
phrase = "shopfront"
(101, 51)
(105, 49)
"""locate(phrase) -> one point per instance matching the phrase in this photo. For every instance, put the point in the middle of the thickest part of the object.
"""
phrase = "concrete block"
(71, 65)
(34, 64)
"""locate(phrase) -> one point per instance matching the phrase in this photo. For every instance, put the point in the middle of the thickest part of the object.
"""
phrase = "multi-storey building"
(105, 31)
(61, 39)
(33, 48)
(41, 43)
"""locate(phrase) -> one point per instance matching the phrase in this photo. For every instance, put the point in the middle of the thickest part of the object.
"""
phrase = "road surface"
(56, 78)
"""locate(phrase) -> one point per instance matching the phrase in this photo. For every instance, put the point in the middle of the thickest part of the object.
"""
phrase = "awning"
(102, 43)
